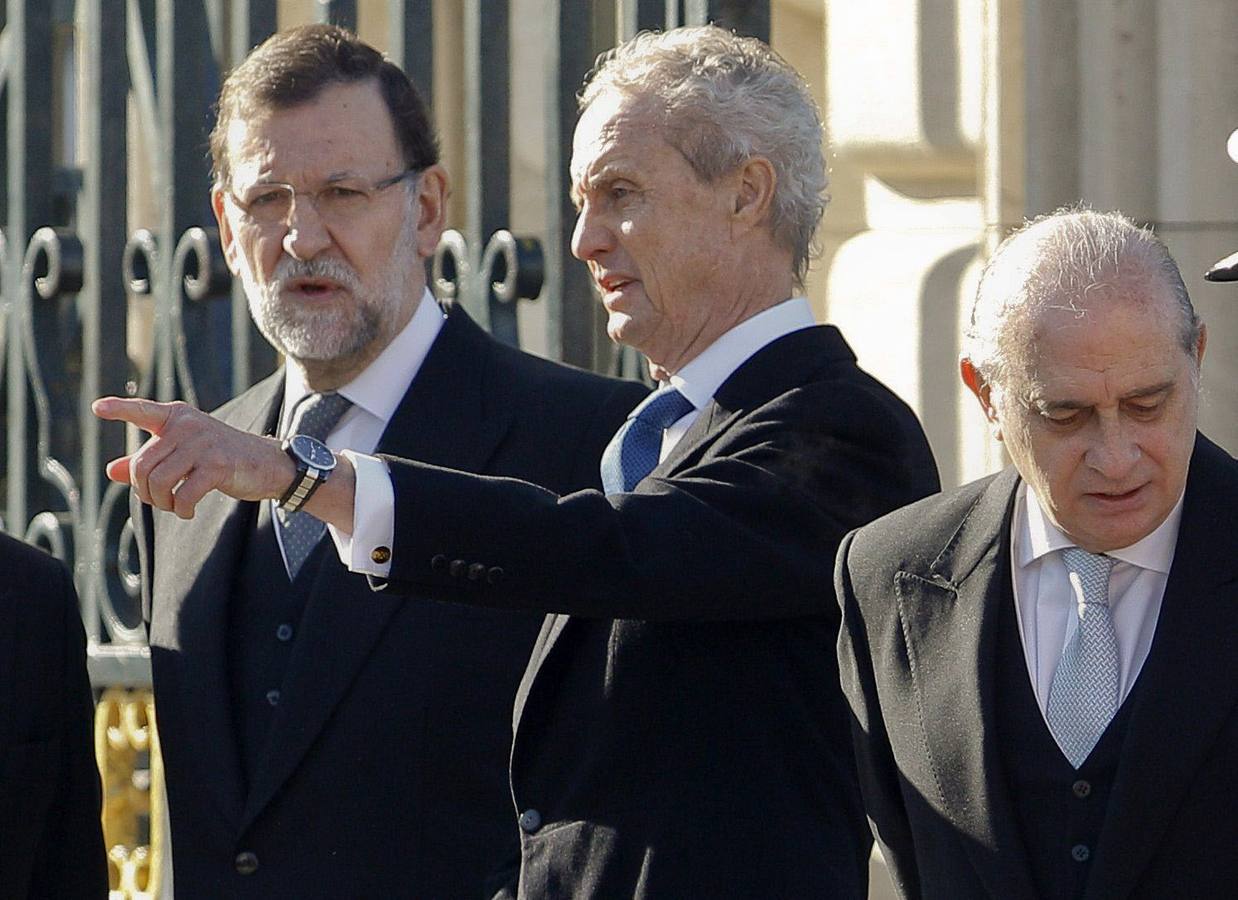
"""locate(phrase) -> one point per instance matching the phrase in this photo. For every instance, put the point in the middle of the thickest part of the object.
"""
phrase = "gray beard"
(334, 333)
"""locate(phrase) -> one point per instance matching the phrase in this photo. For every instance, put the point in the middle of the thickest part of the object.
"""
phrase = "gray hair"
(1057, 260)
(725, 99)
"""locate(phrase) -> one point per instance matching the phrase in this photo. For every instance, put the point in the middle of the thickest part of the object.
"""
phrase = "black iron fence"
(90, 304)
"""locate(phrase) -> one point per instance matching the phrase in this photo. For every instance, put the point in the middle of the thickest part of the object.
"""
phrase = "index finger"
(149, 415)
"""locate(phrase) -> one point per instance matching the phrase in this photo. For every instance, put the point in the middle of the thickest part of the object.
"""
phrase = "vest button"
(1080, 853)
(273, 698)
(284, 632)
(246, 862)
(530, 821)
(1082, 789)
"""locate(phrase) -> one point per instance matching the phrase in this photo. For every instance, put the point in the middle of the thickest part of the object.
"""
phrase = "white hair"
(1057, 260)
(725, 99)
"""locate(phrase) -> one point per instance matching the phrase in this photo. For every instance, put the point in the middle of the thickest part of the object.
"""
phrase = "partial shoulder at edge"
(29, 569)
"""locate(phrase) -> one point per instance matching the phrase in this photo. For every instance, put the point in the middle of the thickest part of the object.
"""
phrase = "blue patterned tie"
(315, 415)
(633, 452)
(1083, 695)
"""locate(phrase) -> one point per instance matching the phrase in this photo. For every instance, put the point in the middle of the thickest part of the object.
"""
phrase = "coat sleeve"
(879, 779)
(745, 530)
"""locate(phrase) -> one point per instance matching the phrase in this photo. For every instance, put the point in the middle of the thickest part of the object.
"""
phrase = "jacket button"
(246, 862)
(381, 555)
(530, 821)
(1080, 853)
(495, 575)
(476, 572)
(1082, 788)
(458, 568)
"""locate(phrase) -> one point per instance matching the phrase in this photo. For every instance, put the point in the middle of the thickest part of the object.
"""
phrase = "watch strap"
(302, 488)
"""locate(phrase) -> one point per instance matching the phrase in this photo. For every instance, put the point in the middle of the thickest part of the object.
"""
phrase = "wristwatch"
(314, 461)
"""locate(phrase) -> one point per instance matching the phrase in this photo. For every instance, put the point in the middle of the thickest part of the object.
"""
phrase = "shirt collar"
(398, 364)
(700, 379)
(1038, 536)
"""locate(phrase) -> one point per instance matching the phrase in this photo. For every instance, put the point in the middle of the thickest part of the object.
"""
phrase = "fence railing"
(112, 281)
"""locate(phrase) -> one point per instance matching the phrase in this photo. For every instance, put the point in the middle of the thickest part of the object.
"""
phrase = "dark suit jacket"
(680, 731)
(51, 843)
(921, 596)
(385, 774)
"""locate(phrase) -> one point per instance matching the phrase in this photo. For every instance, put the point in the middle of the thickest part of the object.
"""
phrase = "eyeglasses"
(338, 203)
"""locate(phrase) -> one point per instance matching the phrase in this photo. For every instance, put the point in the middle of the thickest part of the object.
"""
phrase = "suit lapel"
(949, 613)
(1188, 685)
(453, 414)
(552, 628)
(772, 370)
(190, 623)
(457, 410)
(778, 367)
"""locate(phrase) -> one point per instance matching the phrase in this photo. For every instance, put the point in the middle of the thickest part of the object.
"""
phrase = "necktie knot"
(316, 414)
(1093, 571)
(666, 407)
(633, 452)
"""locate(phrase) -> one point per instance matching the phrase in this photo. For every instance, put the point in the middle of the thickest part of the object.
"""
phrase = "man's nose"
(590, 237)
(1115, 449)
(307, 234)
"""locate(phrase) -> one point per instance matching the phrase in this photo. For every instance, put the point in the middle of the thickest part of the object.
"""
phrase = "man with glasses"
(320, 739)
(680, 731)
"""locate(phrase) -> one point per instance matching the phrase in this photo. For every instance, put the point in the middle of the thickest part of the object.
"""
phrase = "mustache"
(288, 268)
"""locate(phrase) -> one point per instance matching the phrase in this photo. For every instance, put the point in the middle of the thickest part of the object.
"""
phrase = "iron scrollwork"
(52, 269)
(510, 268)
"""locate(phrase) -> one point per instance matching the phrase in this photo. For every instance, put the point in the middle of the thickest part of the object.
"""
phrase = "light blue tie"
(633, 452)
(1083, 695)
(315, 415)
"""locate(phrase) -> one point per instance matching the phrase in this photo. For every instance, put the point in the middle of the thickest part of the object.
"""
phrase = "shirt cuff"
(368, 549)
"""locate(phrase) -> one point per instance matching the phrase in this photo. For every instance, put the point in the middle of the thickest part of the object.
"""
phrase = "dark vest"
(1059, 810)
(264, 618)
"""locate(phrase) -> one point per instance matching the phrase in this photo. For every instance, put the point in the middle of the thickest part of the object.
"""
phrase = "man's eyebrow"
(1049, 406)
(587, 181)
(1149, 391)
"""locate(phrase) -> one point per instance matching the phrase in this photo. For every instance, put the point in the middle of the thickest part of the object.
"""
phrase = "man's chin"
(623, 329)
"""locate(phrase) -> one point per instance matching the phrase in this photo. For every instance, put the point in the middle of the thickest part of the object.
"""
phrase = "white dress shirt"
(697, 381)
(375, 394)
(700, 379)
(1045, 603)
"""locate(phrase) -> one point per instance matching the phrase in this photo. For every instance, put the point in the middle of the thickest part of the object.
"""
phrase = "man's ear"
(431, 207)
(227, 240)
(754, 184)
(983, 392)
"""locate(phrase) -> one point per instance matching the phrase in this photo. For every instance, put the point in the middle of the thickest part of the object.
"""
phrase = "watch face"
(312, 451)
